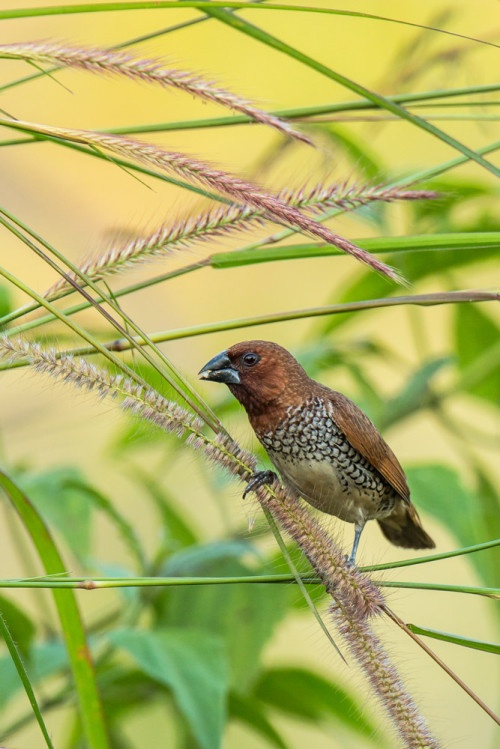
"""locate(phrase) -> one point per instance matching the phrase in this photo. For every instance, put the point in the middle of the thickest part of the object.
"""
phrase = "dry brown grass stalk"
(117, 62)
(225, 183)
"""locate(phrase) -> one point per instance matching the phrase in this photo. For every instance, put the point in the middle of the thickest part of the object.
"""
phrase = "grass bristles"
(78, 371)
(369, 653)
(207, 175)
(355, 597)
(118, 62)
(227, 219)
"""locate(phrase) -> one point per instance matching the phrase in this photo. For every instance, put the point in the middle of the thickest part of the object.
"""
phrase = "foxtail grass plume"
(354, 597)
(118, 62)
(225, 183)
(224, 220)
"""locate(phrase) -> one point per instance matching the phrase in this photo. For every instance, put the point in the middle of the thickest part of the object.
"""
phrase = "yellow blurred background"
(74, 201)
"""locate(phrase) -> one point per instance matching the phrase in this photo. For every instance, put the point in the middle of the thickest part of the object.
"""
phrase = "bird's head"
(258, 373)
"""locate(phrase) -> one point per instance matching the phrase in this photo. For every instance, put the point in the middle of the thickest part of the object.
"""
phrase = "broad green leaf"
(488, 647)
(192, 663)
(475, 335)
(71, 625)
(190, 561)
(46, 659)
(20, 625)
(123, 526)
(414, 395)
(61, 497)
(178, 532)
(248, 711)
(124, 687)
(440, 214)
(243, 615)
(438, 490)
(307, 695)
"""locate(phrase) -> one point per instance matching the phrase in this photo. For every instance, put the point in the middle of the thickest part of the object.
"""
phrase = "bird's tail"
(403, 528)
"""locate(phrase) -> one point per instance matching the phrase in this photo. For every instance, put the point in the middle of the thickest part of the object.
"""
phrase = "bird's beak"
(220, 369)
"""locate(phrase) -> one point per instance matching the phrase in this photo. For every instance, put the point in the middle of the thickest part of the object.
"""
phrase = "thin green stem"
(488, 647)
(77, 329)
(434, 557)
(422, 300)
(98, 583)
(297, 578)
(268, 39)
(115, 161)
(488, 592)
(23, 675)
(419, 100)
(210, 419)
(202, 4)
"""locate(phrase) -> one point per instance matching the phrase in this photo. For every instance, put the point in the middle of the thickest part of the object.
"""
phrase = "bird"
(324, 447)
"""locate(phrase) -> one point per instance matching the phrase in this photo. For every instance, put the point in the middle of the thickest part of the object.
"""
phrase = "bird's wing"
(362, 434)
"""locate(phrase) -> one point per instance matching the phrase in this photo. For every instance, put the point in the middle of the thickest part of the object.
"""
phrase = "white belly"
(328, 489)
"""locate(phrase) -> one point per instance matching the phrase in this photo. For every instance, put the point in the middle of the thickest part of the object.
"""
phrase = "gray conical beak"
(220, 369)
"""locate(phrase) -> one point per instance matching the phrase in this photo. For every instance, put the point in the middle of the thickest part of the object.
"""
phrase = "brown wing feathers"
(365, 438)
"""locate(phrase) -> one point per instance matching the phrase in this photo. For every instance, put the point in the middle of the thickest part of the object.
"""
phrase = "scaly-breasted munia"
(324, 447)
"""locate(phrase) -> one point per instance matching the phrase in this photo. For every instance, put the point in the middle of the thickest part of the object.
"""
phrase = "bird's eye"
(250, 359)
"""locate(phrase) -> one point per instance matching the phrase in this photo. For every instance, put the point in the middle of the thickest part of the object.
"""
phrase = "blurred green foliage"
(201, 649)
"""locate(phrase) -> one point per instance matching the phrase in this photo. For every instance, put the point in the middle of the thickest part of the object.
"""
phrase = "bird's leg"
(358, 528)
(259, 479)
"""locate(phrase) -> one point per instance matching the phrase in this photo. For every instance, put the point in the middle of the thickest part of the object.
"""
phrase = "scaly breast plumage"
(315, 459)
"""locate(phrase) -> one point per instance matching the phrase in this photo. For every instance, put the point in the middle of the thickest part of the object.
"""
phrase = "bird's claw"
(349, 560)
(259, 479)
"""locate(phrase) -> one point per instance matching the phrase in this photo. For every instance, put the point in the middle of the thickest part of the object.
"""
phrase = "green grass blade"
(71, 624)
(263, 36)
(128, 166)
(488, 647)
(422, 300)
(434, 557)
(23, 675)
(426, 98)
(297, 578)
(98, 583)
(144, 4)
(453, 241)
(489, 592)
(169, 372)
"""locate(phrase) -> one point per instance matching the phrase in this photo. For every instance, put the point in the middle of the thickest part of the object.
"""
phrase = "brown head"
(261, 375)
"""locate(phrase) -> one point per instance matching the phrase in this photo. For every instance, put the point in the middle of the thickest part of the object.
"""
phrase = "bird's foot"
(259, 479)
(350, 561)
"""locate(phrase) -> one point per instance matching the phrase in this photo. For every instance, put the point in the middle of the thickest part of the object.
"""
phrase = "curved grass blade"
(185, 393)
(488, 647)
(452, 241)
(23, 675)
(117, 6)
(433, 557)
(488, 592)
(422, 300)
(124, 528)
(296, 576)
(426, 174)
(71, 624)
(263, 36)
(420, 99)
